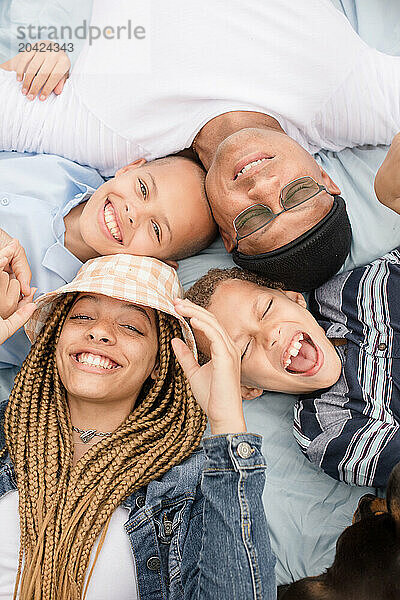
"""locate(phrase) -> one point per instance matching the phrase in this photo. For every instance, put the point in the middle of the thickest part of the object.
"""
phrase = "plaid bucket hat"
(137, 279)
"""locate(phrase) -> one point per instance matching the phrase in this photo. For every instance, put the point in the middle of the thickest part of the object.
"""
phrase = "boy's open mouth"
(302, 356)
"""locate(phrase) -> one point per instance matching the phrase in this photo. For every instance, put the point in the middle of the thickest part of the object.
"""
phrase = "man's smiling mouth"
(253, 162)
(110, 220)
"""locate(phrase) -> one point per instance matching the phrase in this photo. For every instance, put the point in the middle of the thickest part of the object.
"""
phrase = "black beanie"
(311, 259)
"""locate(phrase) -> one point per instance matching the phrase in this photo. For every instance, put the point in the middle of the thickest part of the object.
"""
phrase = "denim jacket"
(200, 531)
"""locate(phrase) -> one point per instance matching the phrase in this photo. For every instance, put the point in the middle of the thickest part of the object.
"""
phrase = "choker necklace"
(87, 434)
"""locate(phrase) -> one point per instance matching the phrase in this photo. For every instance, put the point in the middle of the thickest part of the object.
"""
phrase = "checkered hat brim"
(137, 279)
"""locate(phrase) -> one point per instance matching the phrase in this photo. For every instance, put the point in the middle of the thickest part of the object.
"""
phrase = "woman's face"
(107, 349)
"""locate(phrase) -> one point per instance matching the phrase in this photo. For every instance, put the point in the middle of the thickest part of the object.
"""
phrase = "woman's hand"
(9, 326)
(46, 71)
(16, 295)
(387, 180)
(15, 277)
(215, 385)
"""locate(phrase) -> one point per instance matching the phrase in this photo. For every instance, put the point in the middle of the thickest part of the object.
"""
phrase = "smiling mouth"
(248, 164)
(97, 361)
(110, 220)
(302, 356)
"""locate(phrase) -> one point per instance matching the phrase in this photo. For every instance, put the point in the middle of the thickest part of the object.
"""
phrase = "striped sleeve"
(358, 451)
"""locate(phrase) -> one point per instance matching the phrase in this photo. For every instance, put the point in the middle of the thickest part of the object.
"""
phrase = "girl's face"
(107, 349)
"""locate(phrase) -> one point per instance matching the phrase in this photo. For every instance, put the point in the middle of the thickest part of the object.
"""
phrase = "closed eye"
(245, 351)
(81, 317)
(133, 329)
(143, 189)
(157, 231)
(267, 309)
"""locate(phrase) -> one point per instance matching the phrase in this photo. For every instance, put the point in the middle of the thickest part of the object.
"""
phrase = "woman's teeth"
(95, 360)
(294, 348)
(249, 166)
(111, 223)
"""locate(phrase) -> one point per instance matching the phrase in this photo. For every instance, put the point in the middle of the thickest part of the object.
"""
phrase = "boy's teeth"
(250, 165)
(294, 349)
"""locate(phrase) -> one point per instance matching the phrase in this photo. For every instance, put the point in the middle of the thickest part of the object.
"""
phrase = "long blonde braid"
(63, 508)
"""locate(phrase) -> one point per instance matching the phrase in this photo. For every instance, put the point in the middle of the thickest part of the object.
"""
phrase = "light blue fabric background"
(306, 509)
(14, 13)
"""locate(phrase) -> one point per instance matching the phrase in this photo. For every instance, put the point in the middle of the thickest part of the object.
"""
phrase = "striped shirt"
(352, 430)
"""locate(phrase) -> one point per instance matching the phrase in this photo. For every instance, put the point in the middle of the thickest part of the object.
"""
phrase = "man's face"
(107, 349)
(251, 167)
(148, 209)
(282, 346)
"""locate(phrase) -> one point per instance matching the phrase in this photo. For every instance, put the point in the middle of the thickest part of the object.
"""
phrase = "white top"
(300, 62)
(114, 575)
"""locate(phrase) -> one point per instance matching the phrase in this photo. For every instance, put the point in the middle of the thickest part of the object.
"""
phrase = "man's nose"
(265, 190)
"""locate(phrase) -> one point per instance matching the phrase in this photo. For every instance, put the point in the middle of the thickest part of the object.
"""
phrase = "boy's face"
(270, 327)
(148, 209)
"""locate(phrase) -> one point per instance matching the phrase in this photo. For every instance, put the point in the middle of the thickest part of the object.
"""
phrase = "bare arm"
(387, 180)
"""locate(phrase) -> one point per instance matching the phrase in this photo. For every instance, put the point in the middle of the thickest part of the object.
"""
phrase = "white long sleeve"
(301, 63)
(365, 109)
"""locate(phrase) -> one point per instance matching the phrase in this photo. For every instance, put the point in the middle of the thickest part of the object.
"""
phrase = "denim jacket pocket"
(168, 520)
(170, 524)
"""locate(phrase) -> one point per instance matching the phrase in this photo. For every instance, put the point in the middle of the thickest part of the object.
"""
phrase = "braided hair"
(63, 508)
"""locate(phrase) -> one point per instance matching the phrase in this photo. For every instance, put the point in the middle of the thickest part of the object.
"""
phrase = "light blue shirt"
(36, 192)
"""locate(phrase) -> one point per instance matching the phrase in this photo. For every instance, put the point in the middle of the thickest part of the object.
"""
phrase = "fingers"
(21, 63)
(9, 326)
(202, 320)
(193, 311)
(47, 71)
(55, 81)
(27, 299)
(185, 357)
(43, 76)
(60, 86)
(15, 256)
(31, 72)
(10, 292)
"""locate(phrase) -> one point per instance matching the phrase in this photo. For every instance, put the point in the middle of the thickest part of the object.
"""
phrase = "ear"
(250, 393)
(228, 242)
(156, 371)
(295, 297)
(133, 165)
(172, 263)
(328, 182)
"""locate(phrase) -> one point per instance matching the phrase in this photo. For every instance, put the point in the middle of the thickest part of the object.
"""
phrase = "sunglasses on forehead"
(257, 216)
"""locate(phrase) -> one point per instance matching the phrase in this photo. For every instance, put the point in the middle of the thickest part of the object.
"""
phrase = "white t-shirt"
(114, 575)
(300, 62)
